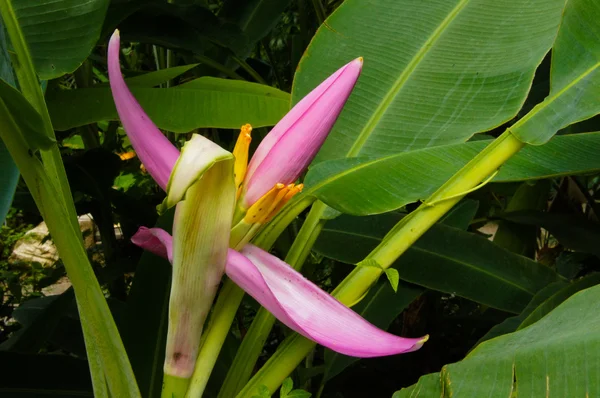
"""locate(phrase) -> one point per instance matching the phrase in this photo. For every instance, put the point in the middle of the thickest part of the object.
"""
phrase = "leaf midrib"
(548, 102)
(437, 254)
(368, 129)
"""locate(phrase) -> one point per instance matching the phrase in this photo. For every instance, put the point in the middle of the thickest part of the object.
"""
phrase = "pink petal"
(305, 308)
(294, 142)
(154, 149)
(155, 240)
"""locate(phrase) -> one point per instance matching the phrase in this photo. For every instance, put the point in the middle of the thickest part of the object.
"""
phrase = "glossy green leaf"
(435, 72)
(39, 318)
(60, 33)
(25, 117)
(380, 307)
(574, 79)
(554, 357)
(153, 79)
(445, 259)
(204, 102)
(348, 184)
(556, 299)
(511, 324)
(10, 172)
(517, 238)
(8, 181)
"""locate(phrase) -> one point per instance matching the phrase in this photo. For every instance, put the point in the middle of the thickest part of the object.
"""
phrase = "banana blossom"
(213, 189)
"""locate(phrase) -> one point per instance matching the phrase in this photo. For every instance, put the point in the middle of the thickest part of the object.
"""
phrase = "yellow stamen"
(289, 195)
(280, 196)
(240, 152)
(258, 211)
(269, 205)
(126, 155)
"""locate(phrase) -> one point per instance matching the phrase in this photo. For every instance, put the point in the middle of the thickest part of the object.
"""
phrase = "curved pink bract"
(154, 149)
(305, 308)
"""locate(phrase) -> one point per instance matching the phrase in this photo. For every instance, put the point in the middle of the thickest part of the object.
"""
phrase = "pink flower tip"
(293, 143)
(155, 240)
(153, 149)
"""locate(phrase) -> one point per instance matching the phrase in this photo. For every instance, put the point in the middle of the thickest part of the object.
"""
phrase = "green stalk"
(102, 339)
(31, 89)
(49, 187)
(247, 355)
(397, 241)
(173, 386)
(228, 301)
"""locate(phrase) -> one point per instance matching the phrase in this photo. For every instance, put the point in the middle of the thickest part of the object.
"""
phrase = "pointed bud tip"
(420, 343)
(359, 60)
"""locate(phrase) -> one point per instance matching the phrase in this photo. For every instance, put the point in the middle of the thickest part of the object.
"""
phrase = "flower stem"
(47, 182)
(174, 387)
(397, 241)
(252, 345)
(228, 301)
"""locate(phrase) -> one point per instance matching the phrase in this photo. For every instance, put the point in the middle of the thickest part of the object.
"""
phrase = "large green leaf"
(60, 33)
(348, 184)
(575, 76)
(203, 102)
(39, 318)
(144, 328)
(157, 77)
(25, 117)
(445, 259)
(517, 238)
(8, 180)
(511, 324)
(435, 72)
(551, 303)
(10, 172)
(380, 307)
(554, 357)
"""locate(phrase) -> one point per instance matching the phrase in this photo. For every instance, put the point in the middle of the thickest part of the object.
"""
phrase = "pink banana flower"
(203, 181)
(297, 302)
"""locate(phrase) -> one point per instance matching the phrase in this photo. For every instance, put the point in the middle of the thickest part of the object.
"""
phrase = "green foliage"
(287, 390)
(411, 176)
(532, 361)
(574, 78)
(60, 34)
(505, 284)
(433, 75)
(204, 102)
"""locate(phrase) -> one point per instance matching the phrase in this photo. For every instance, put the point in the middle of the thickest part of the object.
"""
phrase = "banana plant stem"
(251, 347)
(228, 301)
(47, 182)
(102, 339)
(292, 351)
